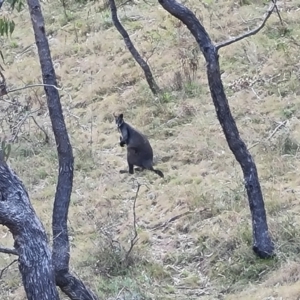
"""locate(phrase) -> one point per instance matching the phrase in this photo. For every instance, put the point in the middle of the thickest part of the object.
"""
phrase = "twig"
(254, 145)
(135, 238)
(21, 123)
(251, 32)
(42, 129)
(254, 92)
(120, 292)
(2, 271)
(8, 251)
(271, 135)
(277, 11)
(276, 129)
(18, 128)
(122, 4)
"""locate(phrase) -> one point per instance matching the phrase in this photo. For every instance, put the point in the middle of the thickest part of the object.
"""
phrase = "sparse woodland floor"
(206, 253)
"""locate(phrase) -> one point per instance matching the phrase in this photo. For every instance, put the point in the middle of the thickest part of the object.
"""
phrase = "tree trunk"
(68, 283)
(143, 64)
(35, 262)
(262, 243)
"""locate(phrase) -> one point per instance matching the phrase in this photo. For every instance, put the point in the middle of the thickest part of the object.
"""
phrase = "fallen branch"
(271, 135)
(162, 225)
(4, 269)
(253, 31)
(8, 251)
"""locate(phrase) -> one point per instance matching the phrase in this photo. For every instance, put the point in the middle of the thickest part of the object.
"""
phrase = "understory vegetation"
(194, 226)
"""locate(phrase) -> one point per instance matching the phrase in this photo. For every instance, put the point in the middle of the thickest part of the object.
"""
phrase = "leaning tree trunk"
(262, 243)
(17, 213)
(68, 283)
(143, 64)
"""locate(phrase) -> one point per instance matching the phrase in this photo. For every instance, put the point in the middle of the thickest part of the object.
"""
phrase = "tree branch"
(8, 251)
(68, 283)
(4, 269)
(143, 64)
(262, 243)
(31, 244)
(251, 32)
(33, 85)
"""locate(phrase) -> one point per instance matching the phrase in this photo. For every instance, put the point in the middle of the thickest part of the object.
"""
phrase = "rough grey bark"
(143, 64)
(262, 243)
(17, 213)
(69, 284)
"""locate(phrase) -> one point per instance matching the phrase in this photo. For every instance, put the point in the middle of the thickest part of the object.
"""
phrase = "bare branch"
(33, 85)
(8, 251)
(4, 269)
(18, 128)
(135, 237)
(21, 123)
(251, 32)
(38, 85)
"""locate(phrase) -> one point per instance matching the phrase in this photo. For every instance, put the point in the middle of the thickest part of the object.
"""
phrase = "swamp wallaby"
(139, 150)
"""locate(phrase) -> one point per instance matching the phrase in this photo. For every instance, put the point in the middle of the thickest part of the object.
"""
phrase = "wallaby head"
(119, 120)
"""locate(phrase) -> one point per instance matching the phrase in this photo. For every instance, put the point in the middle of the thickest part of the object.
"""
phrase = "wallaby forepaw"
(122, 144)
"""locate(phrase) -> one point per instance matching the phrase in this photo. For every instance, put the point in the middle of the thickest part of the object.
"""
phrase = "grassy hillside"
(205, 252)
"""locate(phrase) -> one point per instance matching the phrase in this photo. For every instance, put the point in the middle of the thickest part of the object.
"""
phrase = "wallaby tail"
(158, 172)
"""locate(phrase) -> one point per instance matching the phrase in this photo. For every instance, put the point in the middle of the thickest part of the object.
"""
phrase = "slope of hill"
(194, 226)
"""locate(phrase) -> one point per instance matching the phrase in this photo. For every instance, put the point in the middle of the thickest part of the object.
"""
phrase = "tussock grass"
(206, 252)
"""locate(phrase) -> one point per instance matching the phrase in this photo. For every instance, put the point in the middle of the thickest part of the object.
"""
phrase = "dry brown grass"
(208, 251)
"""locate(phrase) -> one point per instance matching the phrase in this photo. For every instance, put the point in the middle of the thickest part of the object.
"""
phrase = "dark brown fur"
(139, 150)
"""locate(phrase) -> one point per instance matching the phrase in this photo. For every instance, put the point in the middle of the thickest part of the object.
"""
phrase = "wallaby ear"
(121, 116)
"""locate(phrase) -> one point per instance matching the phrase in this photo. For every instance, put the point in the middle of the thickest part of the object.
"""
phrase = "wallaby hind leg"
(139, 169)
(130, 166)
(130, 169)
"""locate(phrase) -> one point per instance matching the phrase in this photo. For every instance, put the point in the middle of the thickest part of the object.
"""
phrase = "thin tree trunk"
(262, 243)
(143, 64)
(17, 213)
(68, 283)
